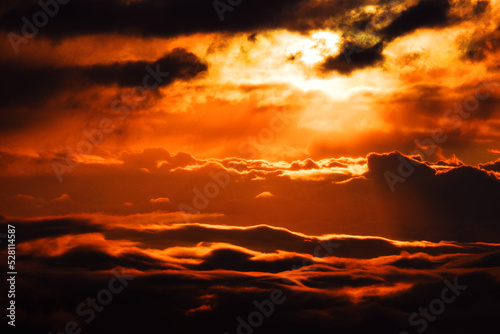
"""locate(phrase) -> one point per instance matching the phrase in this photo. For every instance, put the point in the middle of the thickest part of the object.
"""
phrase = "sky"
(208, 147)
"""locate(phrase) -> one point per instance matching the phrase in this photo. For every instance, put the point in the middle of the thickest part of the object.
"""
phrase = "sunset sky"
(207, 147)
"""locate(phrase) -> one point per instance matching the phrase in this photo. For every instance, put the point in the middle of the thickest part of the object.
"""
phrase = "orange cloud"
(264, 195)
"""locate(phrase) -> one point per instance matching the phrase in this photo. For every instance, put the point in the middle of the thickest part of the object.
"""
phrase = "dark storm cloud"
(179, 64)
(191, 301)
(174, 18)
(179, 17)
(155, 18)
(353, 58)
(463, 200)
(41, 84)
(169, 298)
(356, 54)
(425, 14)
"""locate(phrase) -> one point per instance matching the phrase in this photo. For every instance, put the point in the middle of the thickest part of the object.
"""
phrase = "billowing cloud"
(43, 84)
(414, 199)
(212, 277)
(332, 165)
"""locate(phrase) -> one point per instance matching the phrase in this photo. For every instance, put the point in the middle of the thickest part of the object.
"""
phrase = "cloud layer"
(390, 195)
(198, 276)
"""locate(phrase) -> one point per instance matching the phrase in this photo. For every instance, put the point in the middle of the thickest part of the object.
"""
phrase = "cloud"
(349, 254)
(160, 200)
(44, 84)
(461, 198)
(222, 280)
(33, 229)
(366, 34)
(264, 195)
(480, 44)
(425, 14)
(306, 164)
(491, 166)
(443, 200)
(63, 197)
(181, 18)
(178, 64)
(353, 58)
(146, 18)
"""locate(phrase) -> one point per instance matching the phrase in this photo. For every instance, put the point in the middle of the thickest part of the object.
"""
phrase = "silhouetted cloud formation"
(193, 281)
(41, 83)
(461, 199)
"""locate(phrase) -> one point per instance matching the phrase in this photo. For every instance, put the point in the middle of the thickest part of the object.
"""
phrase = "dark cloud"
(356, 54)
(252, 38)
(96, 259)
(425, 14)
(42, 84)
(52, 228)
(178, 64)
(265, 239)
(462, 199)
(352, 58)
(269, 240)
(443, 201)
(491, 166)
(230, 259)
(178, 17)
(171, 18)
(488, 260)
(379, 164)
(155, 18)
(481, 6)
(338, 296)
(174, 18)
(415, 263)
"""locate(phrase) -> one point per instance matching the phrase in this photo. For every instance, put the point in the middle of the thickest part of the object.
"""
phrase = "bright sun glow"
(313, 49)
